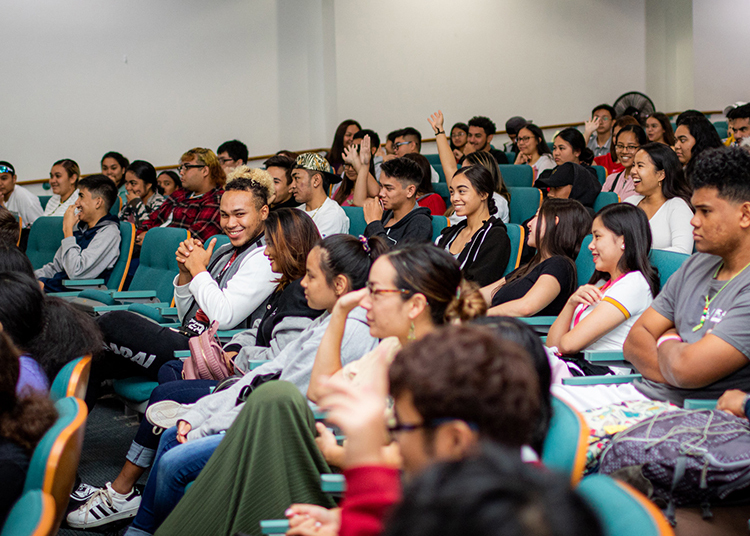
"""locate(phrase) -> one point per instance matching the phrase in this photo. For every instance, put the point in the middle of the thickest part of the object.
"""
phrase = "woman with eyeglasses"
(459, 137)
(627, 142)
(533, 149)
(663, 193)
(408, 294)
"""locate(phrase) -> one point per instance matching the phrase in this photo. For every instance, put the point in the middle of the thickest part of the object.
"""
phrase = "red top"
(371, 491)
(200, 214)
(434, 202)
(606, 162)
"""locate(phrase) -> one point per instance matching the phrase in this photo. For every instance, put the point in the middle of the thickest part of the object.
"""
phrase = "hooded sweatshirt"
(415, 226)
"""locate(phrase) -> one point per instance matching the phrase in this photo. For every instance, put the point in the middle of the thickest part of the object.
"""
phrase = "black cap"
(514, 124)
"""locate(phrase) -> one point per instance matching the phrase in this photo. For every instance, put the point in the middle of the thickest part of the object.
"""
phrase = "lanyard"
(604, 287)
(704, 314)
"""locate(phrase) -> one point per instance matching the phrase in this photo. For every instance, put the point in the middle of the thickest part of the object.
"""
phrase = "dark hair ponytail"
(434, 273)
(343, 254)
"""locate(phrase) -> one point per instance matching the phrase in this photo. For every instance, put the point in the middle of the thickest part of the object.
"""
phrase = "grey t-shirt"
(682, 301)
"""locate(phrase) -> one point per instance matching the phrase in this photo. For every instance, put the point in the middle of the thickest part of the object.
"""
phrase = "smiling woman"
(63, 179)
(627, 142)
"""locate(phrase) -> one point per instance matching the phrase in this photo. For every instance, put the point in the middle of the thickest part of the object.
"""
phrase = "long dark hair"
(292, 234)
(705, 136)
(675, 183)
(22, 420)
(666, 125)
(483, 158)
(481, 180)
(146, 172)
(566, 222)
(343, 254)
(434, 273)
(631, 223)
(541, 143)
(576, 140)
(337, 147)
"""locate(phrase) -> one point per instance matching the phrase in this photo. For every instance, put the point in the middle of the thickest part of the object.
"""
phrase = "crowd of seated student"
(300, 330)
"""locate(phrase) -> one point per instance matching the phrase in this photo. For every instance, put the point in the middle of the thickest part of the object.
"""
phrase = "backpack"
(684, 458)
(206, 361)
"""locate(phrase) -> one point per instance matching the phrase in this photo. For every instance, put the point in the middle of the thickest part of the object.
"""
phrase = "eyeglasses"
(375, 291)
(184, 167)
(628, 148)
(399, 144)
(224, 160)
(524, 139)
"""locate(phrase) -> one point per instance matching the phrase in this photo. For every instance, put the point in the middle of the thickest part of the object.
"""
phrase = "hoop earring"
(412, 332)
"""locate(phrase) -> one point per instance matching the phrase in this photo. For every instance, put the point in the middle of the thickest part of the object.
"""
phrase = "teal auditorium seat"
(517, 235)
(510, 156)
(72, 380)
(357, 222)
(433, 159)
(32, 515)
(439, 168)
(722, 129)
(585, 262)
(135, 391)
(567, 440)
(601, 174)
(54, 463)
(442, 190)
(155, 274)
(524, 202)
(621, 509)
(517, 176)
(44, 240)
(667, 262)
(43, 200)
(438, 224)
(604, 199)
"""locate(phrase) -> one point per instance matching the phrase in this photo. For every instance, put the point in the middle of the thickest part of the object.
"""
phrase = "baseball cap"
(315, 162)
(514, 124)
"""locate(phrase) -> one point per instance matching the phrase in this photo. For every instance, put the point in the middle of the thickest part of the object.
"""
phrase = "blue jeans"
(175, 466)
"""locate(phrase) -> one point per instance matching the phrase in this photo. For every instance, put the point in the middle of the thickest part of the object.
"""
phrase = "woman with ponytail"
(23, 422)
(409, 292)
(336, 266)
(479, 241)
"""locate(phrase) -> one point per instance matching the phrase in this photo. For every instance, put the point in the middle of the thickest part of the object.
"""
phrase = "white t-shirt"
(503, 211)
(670, 226)
(25, 204)
(330, 218)
(55, 208)
(631, 294)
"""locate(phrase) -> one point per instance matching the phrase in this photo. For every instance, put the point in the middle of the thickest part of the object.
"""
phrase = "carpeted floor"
(109, 433)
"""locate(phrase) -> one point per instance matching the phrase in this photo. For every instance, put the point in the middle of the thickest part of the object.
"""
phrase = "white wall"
(283, 73)
(721, 42)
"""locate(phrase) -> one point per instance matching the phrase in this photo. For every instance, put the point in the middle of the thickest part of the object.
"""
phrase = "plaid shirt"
(200, 215)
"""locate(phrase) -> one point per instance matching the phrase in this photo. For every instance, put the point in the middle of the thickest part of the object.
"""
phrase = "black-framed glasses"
(375, 291)
(629, 148)
(523, 139)
(184, 167)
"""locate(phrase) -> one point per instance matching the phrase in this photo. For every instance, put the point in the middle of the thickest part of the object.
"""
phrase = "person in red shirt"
(442, 409)
(195, 206)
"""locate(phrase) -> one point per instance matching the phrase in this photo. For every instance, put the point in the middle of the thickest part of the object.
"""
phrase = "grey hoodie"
(216, 412)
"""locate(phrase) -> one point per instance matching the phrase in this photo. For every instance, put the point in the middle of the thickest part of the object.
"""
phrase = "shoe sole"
(166, 413)
(93, 522)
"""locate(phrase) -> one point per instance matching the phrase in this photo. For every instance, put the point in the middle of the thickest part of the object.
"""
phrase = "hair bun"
(466, 305)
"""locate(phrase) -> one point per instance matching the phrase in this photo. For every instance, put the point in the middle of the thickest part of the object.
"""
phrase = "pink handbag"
(206, 361)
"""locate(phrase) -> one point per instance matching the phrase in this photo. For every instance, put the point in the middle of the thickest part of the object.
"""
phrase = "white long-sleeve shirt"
(670, 226)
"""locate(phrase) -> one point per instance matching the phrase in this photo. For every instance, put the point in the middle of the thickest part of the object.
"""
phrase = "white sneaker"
(105, 506)
(166, 413)
(82, 494)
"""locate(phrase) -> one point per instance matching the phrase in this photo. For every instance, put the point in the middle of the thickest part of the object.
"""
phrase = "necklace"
(704, 314)
(314, 213)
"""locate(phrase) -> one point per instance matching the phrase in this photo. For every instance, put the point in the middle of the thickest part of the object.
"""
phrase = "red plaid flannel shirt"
(200, 215)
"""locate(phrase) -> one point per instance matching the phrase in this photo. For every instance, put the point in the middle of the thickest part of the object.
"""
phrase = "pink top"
(624, 188)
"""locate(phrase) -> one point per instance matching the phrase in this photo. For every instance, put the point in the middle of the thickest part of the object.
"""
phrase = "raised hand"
(590, 127)
(365, 151)
(436, 121)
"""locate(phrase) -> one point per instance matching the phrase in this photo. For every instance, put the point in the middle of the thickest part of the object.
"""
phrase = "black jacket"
(484, 258)
(416, 227)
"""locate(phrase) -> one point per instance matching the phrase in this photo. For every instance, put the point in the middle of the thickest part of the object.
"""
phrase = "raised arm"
(365, 186)
(447, 159)
(328, 358)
